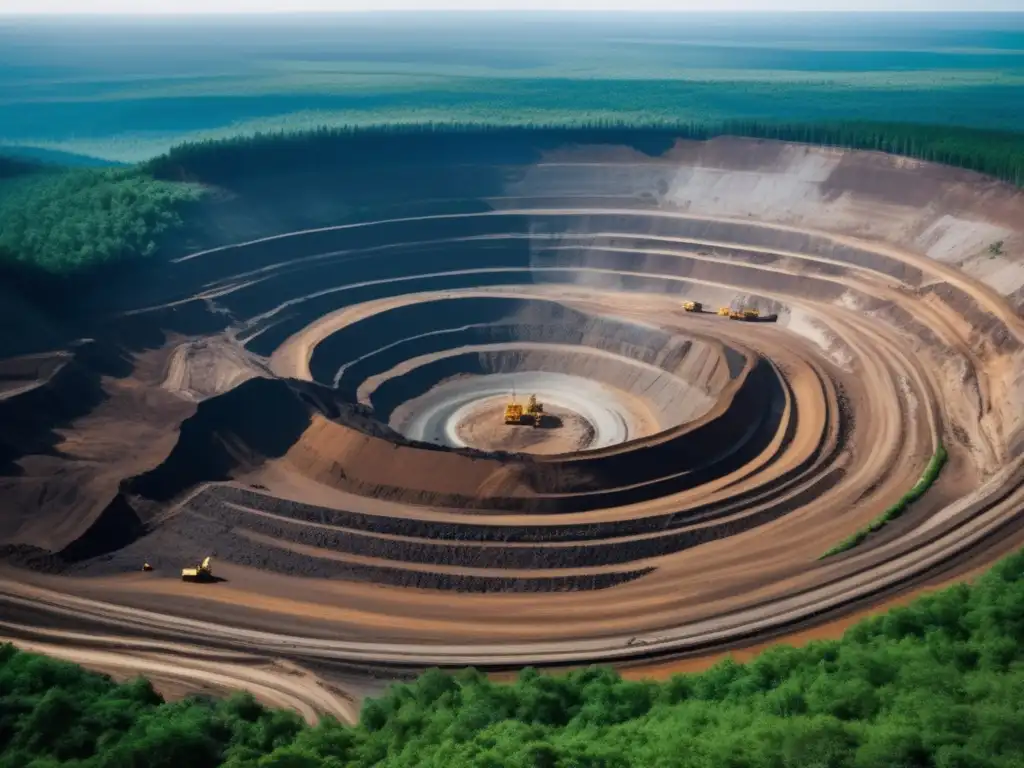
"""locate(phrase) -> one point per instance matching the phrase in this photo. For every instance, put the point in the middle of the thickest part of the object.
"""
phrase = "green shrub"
(929, 476)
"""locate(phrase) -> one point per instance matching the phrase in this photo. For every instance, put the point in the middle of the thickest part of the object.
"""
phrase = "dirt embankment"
(232, 434)
(666, 463)
(70, 437)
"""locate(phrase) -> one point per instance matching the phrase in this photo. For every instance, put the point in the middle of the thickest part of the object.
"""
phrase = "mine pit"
(324, 412)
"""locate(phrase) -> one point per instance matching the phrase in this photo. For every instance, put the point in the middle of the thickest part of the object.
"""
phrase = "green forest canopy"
(64, 222)
(936, 684)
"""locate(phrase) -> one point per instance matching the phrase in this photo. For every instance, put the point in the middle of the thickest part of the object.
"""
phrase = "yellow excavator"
(534, 411)
(693, 306)
(201, 572)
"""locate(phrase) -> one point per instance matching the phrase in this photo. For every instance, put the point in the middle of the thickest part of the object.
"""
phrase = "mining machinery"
(201, 572)
(513, 412)
(534, 411)
(532, 414)
(693, 306)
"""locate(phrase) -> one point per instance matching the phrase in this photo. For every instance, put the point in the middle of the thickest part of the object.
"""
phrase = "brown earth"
(559, 431)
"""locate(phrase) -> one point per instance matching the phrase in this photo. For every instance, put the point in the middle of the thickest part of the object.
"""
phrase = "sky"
(136, 7)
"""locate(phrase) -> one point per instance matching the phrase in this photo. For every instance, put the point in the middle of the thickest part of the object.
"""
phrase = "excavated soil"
(559, 430)
(321, 411)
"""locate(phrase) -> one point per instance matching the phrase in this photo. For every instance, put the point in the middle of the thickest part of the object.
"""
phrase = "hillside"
(63, 223)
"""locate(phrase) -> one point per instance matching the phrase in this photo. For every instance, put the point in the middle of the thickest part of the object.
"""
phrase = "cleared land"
(725, 457)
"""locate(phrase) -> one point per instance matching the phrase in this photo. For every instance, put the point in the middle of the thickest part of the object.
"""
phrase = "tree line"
(998, 154)
(66, 222)
(11, 167)
(936, 684)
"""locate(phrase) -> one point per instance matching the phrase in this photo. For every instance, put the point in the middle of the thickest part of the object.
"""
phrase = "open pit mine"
(321, 412)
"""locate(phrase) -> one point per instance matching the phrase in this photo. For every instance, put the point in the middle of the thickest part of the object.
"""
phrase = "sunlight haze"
(35, 7)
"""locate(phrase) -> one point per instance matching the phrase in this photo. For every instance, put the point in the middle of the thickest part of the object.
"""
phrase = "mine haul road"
(876, 574)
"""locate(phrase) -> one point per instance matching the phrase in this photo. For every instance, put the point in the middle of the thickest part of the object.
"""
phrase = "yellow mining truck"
(746, 314)
(693, 306)
(201, 572)
(534, 411)
(725, 311)
(513, 413)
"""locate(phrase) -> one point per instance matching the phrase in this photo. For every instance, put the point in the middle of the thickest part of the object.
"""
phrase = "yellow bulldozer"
(693, 306)
(201, 572)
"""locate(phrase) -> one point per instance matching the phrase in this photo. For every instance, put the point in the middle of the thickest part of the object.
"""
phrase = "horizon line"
(514, 12)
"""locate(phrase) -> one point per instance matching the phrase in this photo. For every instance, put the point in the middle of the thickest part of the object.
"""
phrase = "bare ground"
(561, 431)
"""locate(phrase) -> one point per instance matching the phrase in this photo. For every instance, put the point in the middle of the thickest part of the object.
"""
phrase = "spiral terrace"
(342, 452)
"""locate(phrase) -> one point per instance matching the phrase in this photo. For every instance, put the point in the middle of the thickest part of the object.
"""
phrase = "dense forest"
(10, 167)
(63, 222)
(998, 154)
(936, 684)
